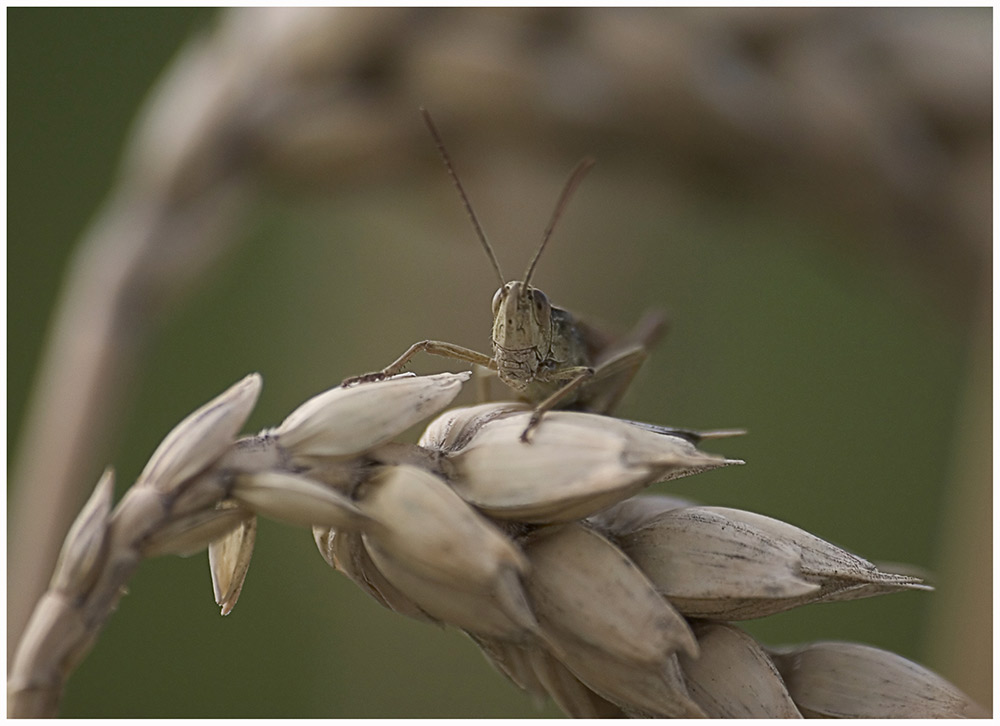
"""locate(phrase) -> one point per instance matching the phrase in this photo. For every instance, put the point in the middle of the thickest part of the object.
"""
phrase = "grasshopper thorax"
(522, 332)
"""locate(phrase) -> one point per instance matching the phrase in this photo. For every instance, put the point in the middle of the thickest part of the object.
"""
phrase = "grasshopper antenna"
(461, 191)
(571, 184)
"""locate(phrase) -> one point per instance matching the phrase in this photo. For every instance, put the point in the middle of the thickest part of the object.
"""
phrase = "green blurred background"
(846, 362)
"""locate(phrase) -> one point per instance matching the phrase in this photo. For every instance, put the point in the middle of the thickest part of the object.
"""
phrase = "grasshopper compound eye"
(539, 299)
(542, 308)
(497, 297)
(540, 303)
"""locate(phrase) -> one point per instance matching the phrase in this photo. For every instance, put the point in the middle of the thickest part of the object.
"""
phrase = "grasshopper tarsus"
(580, 376)
(532, 425)
(366, 378)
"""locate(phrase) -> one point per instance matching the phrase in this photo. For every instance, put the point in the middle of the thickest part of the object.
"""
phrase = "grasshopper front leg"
(579, 375)
(603, 386)
(434, 347)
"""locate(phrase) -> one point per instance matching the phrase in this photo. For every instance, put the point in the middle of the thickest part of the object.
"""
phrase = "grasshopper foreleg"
(579, 376)
(434, 347)
(603, 385)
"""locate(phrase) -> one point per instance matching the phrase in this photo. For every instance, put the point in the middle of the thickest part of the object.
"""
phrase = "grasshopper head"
(522, 323)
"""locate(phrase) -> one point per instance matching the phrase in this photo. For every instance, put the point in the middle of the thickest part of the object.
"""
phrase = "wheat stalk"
(575, 588)
(222, 117)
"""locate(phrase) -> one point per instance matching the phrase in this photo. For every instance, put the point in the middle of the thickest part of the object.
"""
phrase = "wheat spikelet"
(273, 93)
(610, 603)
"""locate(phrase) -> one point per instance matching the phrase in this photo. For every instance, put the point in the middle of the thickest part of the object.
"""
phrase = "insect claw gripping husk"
(572, 584)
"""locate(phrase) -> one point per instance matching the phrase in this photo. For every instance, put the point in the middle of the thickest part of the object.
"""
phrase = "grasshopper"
(545, 354)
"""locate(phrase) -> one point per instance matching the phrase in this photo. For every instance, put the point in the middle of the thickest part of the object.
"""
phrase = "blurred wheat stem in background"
(609, 603)
(271, 95)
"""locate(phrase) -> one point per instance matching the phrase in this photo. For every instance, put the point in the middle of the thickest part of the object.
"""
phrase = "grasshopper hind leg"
(616, 365)
(611, 379)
